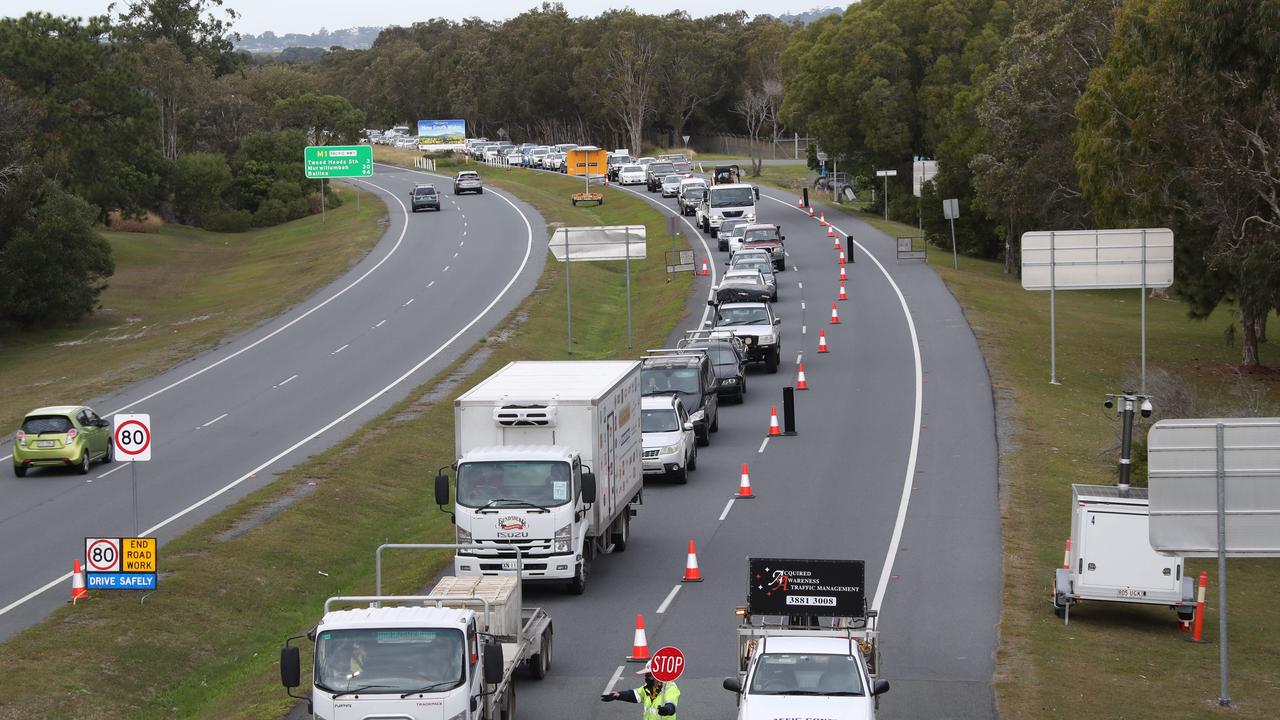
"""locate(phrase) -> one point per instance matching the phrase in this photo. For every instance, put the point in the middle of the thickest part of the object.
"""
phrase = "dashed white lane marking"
(121, 466)
(344, 347)
(446, 269)
(727, 507)
(613, 680)
(670, 596)
(763, 445)
(287, 380)
(216, 419)
(380, 324)
(804, 329)
(799, 285)
(802, 305)
(799, 357)
(455, 254)
(408, 302)
(461, 243)
(433, 282)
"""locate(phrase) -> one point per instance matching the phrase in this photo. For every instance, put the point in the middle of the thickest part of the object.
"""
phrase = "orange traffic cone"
(800, 203)
(835, 245)
(744, 485)
(691, 571)
(639, 646)
(822, 219)
(843, 295)
(831, 231)
(774, 429)
(843, 277)
(801, 383)
(822, 341)
(811, 211)
(705, 270)
(78, 590)
(835, 315)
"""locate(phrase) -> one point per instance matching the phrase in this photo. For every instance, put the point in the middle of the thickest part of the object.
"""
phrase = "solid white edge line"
(215, 420)
(896, 540)
(617, 675)
(763, 444)
(528, 249)
(670, 596)
(727, 507)
(121, 466)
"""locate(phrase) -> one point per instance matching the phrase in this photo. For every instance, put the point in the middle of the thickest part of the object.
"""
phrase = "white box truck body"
(529, 439)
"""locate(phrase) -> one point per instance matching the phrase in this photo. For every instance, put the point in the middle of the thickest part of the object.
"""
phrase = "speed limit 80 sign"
(132, 437)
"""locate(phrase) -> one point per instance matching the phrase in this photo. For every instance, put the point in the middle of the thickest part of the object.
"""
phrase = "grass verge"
(205, 645)
(177, 292)
(1113, 660)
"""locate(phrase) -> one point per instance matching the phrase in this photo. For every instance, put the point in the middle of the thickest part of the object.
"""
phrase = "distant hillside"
(358, 38)
(805, 18)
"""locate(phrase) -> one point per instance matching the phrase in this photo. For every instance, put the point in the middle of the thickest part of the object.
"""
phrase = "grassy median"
(205, 645)
(176, 293)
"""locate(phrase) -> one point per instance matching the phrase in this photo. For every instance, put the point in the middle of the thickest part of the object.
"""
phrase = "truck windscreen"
(546, 484)
(791, 674)
(393, 660)
(732, 197)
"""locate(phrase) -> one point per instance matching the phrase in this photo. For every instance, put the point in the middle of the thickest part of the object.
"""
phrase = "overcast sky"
(308, 16)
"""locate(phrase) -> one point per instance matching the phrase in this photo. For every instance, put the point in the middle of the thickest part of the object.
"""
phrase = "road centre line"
(231, 485)
(666, 603)
(727, 507)
(802, 306)
(219, 417)
(799, 285)
(804, 329)
(433, 282)
(896, 540)
(288, 380)
(763, 445)
(446, 269)
(455, 254)
(121, 466)
(408, 302)
(380, 324)
(617, 674)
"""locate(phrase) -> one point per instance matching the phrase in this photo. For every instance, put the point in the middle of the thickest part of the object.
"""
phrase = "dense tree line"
(147, 109)
(1061, 114)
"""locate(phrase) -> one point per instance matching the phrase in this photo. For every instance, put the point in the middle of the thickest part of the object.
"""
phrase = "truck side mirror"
(588, 487)
(290, 667)
(442, 490)
(881, 687)
(492, 663)
(732, 685)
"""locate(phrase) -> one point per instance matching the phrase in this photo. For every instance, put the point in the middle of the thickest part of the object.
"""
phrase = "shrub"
(229, 221)
(200, 181)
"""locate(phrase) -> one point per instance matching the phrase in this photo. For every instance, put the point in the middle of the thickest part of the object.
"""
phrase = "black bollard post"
(806, 197)
(849, 253)
(788, 411)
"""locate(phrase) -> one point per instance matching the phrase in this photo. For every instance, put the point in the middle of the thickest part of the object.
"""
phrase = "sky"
(308, 16)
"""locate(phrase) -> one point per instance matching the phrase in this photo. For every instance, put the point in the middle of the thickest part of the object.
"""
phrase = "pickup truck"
(468, 181)
(769, 238)
(756, 326)
(807, 645)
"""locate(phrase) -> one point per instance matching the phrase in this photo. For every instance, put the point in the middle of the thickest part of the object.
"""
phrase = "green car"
(63, 436)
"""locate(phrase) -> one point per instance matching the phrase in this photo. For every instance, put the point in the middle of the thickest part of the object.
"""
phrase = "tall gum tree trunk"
(1249, 347)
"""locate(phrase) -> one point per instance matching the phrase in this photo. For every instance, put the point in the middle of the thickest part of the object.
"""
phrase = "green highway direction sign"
(338, 161)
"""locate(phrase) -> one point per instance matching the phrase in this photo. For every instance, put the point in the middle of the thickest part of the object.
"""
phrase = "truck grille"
(502, 548)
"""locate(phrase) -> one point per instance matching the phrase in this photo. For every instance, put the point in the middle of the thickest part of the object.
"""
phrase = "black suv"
(689, 374)
(728, 360)
(425, 197)
(655, 172)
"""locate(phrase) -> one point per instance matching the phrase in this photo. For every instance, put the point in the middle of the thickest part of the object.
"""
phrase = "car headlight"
(767, 339)
(668, 449)
(563, 537)
(729, 381)
(697, 416)
(464, 536)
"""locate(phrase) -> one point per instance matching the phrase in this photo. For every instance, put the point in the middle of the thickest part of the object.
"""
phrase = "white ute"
(807, 648)
(448, 655)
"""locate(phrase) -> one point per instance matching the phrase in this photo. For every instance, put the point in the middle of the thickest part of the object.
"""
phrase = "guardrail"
(424, 163)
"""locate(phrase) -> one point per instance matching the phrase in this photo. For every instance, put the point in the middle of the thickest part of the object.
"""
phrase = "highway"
(226, 422)
(894, 463)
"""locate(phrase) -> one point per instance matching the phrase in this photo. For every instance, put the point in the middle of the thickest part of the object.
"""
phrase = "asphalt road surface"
(227, 421)
(894, 463)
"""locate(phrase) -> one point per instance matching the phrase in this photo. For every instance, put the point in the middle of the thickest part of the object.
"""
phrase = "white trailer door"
(1117, 554)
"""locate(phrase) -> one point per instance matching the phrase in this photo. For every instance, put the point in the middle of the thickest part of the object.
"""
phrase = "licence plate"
(508, 564)
(46, 443)
(1129, 593)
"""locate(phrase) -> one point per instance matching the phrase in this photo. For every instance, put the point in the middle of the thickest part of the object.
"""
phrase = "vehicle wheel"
(773, 298)
(623, 536)
(742, 394)
(681, 476)
(578, 584)
(772, 364)
(110, 454)
(693, 459)
(540, 664)
(715, 424)
(20, 470)
(480, 191)
(782, 266)
(85, 462)
(702, 440)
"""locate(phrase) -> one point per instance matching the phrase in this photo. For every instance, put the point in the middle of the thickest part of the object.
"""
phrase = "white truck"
(449, 655)
(807, 647)
(733, 201)
(549, 462)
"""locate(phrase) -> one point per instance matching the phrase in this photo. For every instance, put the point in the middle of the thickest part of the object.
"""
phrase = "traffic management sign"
(132, 437)
(338, 161)
(667, 664)
(120, 563)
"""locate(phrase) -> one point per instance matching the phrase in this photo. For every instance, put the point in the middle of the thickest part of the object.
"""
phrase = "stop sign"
(667, 664)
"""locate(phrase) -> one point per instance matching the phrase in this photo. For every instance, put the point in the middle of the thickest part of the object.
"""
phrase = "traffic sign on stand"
(667, 664)
(120, 563)
(132, 437)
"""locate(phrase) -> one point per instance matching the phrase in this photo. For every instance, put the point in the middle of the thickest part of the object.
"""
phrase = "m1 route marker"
(667, 664)
(132, 440)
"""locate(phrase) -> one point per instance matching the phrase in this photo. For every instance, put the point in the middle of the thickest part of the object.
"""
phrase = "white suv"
(666, 432)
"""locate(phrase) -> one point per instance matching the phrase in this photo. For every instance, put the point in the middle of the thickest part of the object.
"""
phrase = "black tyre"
(85, 462)
(782, 265)
(715, 424)
(772, 364)
(702, 440)
(20, 470)
(623, 536)
(480, 191)
(681, 476)
(540, 664)
(110, 454)
(693, 459)
(578, 584)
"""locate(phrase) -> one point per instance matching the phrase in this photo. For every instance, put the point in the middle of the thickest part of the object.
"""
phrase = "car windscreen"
(510, 484)
(660, 169)
(762, 266)
(684, 380)
(672, 180)
(732, 228)
(46, 424)
(793, 674)
(683, 167)
(732, 197)
(392, 660)
(741, 316)
(469, 176)
(695, 193)
(659, 421)
(745, 280)
(760, 234)
(424, 192)
(632, 168)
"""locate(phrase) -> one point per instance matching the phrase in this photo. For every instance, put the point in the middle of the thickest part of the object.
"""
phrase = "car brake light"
(22, 438)
(71, 435)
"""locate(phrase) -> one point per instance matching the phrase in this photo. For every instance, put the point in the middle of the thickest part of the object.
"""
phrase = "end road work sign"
(338, 161)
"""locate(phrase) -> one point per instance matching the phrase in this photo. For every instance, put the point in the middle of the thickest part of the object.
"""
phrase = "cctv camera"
(1108, 404)
(1146, 408)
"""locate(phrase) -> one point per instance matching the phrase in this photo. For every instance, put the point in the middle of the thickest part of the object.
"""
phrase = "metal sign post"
(568, 295)
(628, 245)
(131, 438)
(951, 210)
(592, 243)
(1053, 314)
(1224, 697)
(886, 174)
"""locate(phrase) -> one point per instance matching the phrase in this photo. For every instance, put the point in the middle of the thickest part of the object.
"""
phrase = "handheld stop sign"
(667, 664)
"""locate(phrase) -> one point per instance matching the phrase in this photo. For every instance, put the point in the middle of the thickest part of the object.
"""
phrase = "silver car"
(667, 437)
(671, 185)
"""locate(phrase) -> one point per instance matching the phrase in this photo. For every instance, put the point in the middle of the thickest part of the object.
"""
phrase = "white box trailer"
(548, 461)
(1111, 558)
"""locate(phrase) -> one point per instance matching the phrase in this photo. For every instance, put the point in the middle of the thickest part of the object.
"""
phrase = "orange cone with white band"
(801, 383)
(640, 646)
(691, 571)
(705, 270)
(78, 590)
(1066, 556)
(841, 260)
(744, 485)
(843, 277)
(843, 294)
(822, 341)
(800, 203)
(811, 211)
(822, 219)
(835, 245)
(835, 315)
(774, 428)
(831, 231)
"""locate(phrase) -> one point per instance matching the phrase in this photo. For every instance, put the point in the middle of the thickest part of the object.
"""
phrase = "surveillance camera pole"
(1127, 401)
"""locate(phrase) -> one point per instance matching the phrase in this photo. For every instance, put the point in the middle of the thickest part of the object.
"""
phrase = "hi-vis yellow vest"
(669, 693)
